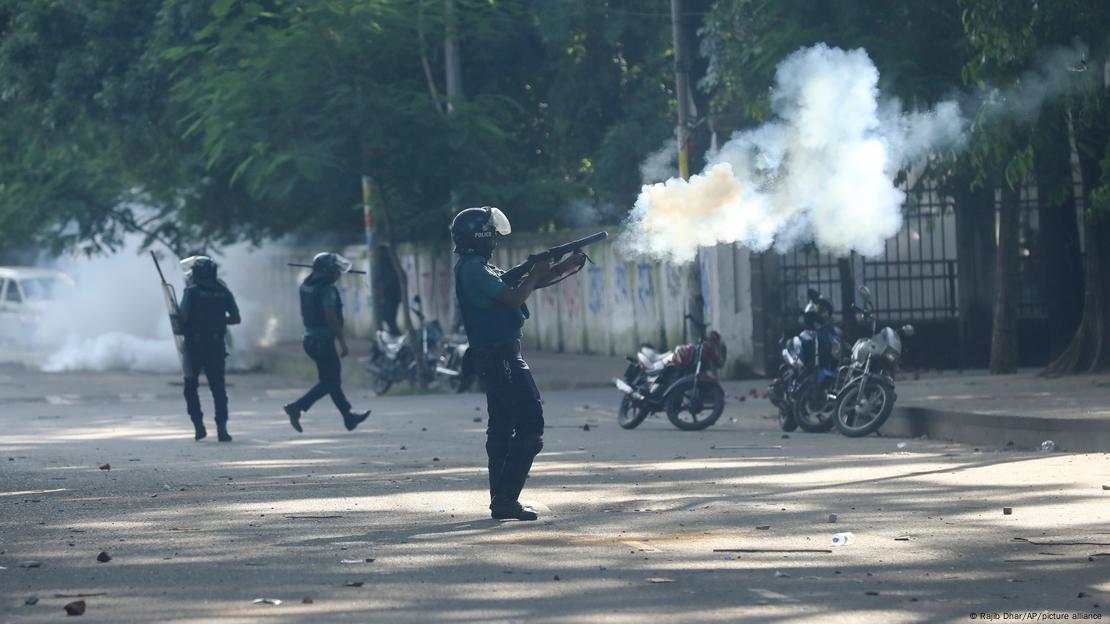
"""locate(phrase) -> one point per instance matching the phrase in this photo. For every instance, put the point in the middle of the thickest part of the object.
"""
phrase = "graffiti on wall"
(645, 287)
(595, 283)
(620, 283)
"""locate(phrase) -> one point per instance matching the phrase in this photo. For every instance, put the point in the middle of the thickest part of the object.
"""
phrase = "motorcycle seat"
(652, 361)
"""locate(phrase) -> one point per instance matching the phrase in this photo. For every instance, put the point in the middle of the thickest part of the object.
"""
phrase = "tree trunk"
(414, 337)
(975, 254)
(1057, 257)
(1007, 276)
(1089, 350)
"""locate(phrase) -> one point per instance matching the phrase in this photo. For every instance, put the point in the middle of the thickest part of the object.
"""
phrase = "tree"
(1009, 37)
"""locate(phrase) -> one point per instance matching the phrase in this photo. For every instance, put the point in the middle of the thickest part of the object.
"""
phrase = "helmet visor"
(187, 263)
(500, 222)
(342, 263)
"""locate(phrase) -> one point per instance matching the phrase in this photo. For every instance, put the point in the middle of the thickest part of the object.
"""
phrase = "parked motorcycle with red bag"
(681, 382)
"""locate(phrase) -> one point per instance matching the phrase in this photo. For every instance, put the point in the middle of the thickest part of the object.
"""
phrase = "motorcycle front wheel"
(630, 416)
(860, 416)
(684, 414)
(811, 413)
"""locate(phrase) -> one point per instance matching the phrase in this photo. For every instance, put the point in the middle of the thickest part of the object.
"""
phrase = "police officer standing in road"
(322, 312)
(207, 307)
(494, 315)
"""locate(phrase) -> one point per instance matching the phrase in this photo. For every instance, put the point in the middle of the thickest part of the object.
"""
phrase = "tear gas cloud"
(115, 317)
(821, 170)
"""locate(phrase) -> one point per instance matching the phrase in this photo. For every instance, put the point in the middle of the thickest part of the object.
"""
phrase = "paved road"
(197, 531)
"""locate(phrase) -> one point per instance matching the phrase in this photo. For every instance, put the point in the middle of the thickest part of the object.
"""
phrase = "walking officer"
(322, 312)
(494, 315)
(207, 307)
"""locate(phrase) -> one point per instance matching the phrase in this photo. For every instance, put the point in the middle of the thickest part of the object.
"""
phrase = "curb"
(1084, 435)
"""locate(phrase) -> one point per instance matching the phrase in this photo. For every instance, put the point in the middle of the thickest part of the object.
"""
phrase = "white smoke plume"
(115, 317)
(661, 164)
(822, 170)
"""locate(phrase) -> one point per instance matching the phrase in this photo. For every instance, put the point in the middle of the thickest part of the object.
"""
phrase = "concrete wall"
(610, 308)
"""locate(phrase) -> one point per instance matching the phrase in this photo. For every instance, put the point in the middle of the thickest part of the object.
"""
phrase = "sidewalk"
(1019, 411)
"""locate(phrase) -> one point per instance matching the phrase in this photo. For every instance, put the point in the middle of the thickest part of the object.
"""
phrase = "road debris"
(312, 517)
(477, 419)
(29, 564)
(266, 601)
(1007, 511)
(843, 539)
(77, 607)
(89, 595)
(832, 518)
(353, 584)
(746, 447)
(779, 574)
(366, 560)
(652, 579)
(1048, 446)
(902, 445)
(871, 593)
(771, 550)
(106, 467)
(1029, 541)
(307, 600)
(903, 538)
(586, 427)
(103, 556)
(31, 600)
(763, 527)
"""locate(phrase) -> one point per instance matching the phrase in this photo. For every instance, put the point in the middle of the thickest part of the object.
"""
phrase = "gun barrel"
(309, 266)
(578, 244)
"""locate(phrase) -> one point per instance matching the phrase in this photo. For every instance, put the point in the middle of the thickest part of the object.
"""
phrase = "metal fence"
(915, 279)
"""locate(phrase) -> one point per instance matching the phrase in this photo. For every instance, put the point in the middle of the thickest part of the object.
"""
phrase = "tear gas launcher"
(170, 295)
(513, 276)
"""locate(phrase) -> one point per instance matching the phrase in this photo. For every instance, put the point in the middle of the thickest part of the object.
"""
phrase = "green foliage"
(201, 122)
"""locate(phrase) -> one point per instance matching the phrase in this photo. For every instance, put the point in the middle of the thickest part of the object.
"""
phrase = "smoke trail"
(822, 170)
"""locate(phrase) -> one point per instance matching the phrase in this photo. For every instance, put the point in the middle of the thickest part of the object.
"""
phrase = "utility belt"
(476, 357)
(500, 351)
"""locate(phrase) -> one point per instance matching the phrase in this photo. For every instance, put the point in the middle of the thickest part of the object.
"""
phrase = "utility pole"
(695, 302)
(368, 229)
(451, 57)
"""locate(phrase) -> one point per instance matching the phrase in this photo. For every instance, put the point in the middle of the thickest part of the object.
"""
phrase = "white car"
(26, 293)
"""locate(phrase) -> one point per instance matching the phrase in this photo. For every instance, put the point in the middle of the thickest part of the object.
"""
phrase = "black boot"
(513, 475)
(352, 419)
(294, 414)
(221, 432)
(199, 432)
(511, 510)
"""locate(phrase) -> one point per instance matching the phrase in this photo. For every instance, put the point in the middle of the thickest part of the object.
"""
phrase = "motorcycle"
(804, 391)
(392, 359)
(449, 370)
(784, 386)
(868, 395)
(679, 382)
(820, 378)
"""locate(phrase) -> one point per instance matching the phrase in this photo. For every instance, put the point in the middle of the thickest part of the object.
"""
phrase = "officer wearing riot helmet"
(207, 307)
(322, 313)
(494, 314)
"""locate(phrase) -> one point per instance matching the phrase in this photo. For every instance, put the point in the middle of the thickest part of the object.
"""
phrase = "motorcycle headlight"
(891, 355)
(859, 317)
